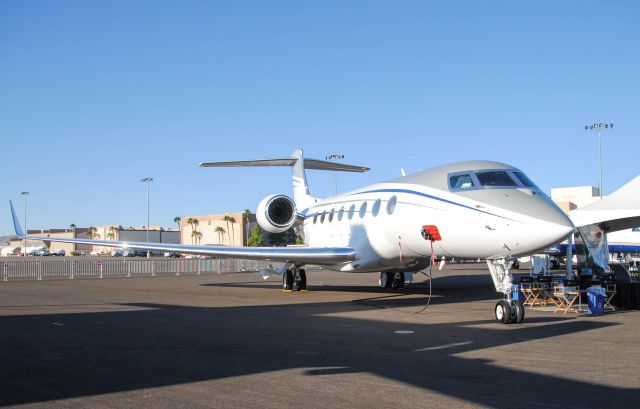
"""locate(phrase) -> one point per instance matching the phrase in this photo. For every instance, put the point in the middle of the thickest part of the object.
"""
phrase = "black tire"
(398, 280)
(386, 279)
(287, 280)
(502, 312)
(517, 311)
(516, 265)
(302, 285)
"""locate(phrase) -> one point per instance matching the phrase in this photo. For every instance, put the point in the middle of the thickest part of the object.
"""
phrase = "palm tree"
(194, 236)
(220, 230)
(73, 227)
(193, 223)
(227, 219)
(177, 220)
(199, 236)
(112, 233)
(245, 216)
(232, 220)
(92, 233)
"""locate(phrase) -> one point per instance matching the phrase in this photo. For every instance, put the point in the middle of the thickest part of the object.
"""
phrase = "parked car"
(171, 254)
(117, 253)
(41, 253)
(98, 253)
(58, 253)
(128, 253)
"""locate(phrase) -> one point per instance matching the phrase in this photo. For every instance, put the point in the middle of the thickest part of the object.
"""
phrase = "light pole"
(25, 195)
(599, 127)
(148, 181)
(335, 174)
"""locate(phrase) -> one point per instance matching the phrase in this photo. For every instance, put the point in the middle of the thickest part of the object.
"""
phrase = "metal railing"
(72, 268)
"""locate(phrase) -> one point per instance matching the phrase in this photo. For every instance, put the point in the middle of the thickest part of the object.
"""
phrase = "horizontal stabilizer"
(315, 164)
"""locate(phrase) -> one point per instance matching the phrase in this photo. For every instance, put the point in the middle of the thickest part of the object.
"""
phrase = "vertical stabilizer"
(300, 187)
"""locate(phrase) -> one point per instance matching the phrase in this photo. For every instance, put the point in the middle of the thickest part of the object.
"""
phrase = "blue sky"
(96, 95)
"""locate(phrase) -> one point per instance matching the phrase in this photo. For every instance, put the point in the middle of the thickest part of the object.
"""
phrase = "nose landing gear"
(507, 310)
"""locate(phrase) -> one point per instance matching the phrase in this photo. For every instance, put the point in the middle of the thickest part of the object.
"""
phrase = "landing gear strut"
(294, 279)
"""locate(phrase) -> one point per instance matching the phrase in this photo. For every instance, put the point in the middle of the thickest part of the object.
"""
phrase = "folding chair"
(538, 294)
(566, 297)
(611, 290)
(525, 289)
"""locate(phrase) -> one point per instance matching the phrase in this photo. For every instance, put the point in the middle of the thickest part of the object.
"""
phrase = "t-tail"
(298, 164)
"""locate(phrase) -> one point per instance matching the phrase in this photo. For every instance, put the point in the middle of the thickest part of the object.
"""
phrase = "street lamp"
(25, 195)
(335, 174)
(148, 181)
(599, 127)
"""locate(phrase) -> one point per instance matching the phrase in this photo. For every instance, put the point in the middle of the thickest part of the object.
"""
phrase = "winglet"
(16, 223)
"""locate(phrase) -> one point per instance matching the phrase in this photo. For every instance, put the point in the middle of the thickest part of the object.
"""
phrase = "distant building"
(570, 198)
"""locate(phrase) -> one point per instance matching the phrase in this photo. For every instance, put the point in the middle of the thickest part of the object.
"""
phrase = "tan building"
(214, 230)
(570, 198)
(69, 248)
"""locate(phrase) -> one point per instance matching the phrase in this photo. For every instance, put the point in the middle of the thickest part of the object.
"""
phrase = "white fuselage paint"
(469, 228)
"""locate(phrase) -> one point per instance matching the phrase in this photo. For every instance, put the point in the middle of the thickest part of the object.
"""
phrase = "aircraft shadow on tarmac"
(447, 289)
(89, 354)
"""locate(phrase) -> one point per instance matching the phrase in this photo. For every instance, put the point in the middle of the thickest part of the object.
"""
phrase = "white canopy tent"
(618, 211)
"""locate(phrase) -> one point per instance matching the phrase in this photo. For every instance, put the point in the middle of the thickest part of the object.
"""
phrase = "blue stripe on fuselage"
(414, 192)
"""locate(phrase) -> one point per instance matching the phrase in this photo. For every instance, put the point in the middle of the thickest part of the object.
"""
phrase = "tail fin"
(16, 223)
(300, 186)
(298, 165)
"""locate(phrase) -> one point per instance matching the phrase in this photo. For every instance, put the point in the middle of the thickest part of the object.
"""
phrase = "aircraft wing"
(298, 255)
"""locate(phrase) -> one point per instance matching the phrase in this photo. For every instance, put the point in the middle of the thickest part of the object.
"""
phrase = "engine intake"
(276, 213)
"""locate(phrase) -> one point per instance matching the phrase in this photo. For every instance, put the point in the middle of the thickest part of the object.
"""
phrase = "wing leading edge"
(298, 255)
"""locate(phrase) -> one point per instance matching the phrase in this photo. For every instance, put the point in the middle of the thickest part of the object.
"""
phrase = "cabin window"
(341, 213)
(315, 218)
(322, 215)
(331, 213)
(524, 179)
(352, 211)
(375, 209)
(496, 178)
(461, 181)
(391, 204)
(363, 209)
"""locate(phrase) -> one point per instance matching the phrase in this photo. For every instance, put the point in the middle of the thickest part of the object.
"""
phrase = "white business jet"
(466, 210)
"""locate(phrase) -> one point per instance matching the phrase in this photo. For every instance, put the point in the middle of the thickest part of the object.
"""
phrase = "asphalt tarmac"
(236, 341)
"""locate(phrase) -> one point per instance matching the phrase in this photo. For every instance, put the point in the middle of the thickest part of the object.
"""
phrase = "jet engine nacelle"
(276, 213)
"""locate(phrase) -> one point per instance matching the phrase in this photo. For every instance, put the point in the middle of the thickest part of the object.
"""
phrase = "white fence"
(80, 268)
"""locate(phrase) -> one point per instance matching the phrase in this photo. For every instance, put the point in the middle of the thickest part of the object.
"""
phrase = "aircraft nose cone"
(548, 231)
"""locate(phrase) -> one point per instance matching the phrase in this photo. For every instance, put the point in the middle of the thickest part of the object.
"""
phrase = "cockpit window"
(524, 179)
(461, 181)
(499, 178)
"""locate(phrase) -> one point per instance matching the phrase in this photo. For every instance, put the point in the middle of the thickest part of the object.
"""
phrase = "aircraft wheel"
(302, 285)
(398, 280)
(517, 311)
(386, 278)
(516, 265)
(503, 312)
(287, 280)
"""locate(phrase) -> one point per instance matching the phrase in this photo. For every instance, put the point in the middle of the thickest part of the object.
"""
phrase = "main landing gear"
(391, 280)
(294, 279)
